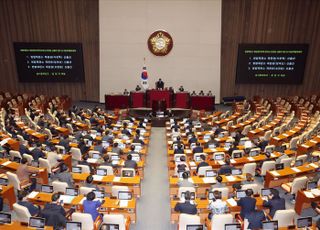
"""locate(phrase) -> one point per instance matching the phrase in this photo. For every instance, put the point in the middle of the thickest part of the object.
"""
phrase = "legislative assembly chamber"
(159, 114)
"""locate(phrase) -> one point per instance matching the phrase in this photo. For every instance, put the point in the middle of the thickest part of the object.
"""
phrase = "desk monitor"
(279, 166)
(232, 226)
(211, 173)
(265, 192)
(198, 158)
(36, 222)
(219, 157)
(5, 218)
(237, 155)
(102, 172)
(47, 188)
(72, 192)
(71, 225)
(207, 137)
(109, 227)
(304, 222)
(115, 157)
(105, 144)
(312, 185)
(240, 194)
(194, 227)
(192, 195)
(270, 225)
(122, 145)
(254, 153)
(298, 163)
(99, 194)
(95, 155)
(4, 181)
(124, 195)
(136, 158)
(127, 173)
(212, 146)
(76, 169)
(236, 171)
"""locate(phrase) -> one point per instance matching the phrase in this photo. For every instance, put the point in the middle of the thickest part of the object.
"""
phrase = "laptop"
(219, 157)
(76, 169)
(124, 195)
(105, 144)
(194, 227)
(304, 222)
(102, 172)
(237, 155)
(240, 194)
(198, 158)
(71, 225)
(270, 225)
(265, 192)
(232, 226)
(47, 188)
(4, 181)
(72, 192)
(136, 158)
(211, 173)
(127, 173)
(36, 222)
(192, 195)
(109, 227)
(279, 166)
(298, 163)
(5, 218)
(312, 185)
(254, 153)
(95, 155)
(236, 171)
(99, 194)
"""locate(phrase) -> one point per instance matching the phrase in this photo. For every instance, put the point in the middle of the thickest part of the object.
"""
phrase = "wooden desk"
(15, 225)
(7, 192)
(302, 201)
(13, 144)
(241, 125)
(309, 145)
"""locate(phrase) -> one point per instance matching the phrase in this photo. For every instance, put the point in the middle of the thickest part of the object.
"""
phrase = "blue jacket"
(255, 219)
(91, 206)
(186, 208)
(274, 205)
(247, 204)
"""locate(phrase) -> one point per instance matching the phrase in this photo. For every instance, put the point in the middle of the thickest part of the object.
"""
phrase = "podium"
(182, 100)
(119, 101)
(158, 95)
(137, 99)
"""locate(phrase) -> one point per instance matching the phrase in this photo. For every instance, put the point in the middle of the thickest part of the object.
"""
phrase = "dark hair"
(187, 195)
(219, 179)
(203, 157)
(198, 144)
(63, 167)
(99, 142)
(132, 147)
(249, 192)
(106, 158)
(249, 177)
(129, 157)
(236, 186)
(275, 193)
(91, 196)
(115, 144)
(89, 179)
(55, 197)
(185, 175)
(24, 161)
(182, 158)
(20, 196)
(217, 194)
(85, 157)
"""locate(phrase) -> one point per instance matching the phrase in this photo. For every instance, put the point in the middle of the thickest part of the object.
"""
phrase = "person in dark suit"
(186, 207)
(159, 84)
(193, 139)
(129, 163)
(33, 210)
(226, 169)
(98, 147)
(175, 125)
(137, 139)
(54, 213)
(203, 162)
(65, 143)
(198, 148)
(37, 152)
(255, 219)
(178, 150)
(24, 149)
(125, 131)
(274, 202)
(247, 203)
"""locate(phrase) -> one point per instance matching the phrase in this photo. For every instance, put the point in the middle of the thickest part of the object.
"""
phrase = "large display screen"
(49, 62)
(271, 63)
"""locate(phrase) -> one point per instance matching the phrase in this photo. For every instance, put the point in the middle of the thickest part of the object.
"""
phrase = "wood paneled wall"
(50, 21)
(270, 21)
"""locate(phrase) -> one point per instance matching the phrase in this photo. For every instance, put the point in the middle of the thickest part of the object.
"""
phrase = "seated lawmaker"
(185, 182)
(54, 213)
(186, 207)
(33, 209)
(226, 169)
(274, 202)
(217, 206)
(91, 206)
(198, 148)
(203, 162)
(129, 163)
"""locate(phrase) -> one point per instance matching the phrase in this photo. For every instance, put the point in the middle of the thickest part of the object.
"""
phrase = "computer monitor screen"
(198, 158)
(124, 195)
(102, 172)
(136, 158)
(70, 225)
(298, 163)
(105, 144)
(237, 155)
(270, 150)
(279, 166)
(3, 181)
(76, 169)
(232, 227)
(192, 195)
(47, 188)
(211, 173)
(219, 157)
(312, 185)
(115, 157)
(315, 159)
(236, 171)
(99, 194)
(240, 194)
(270, 225)
(254, 153)
(210, 196)
(265, 192)
(180, 173)
(96, 156)
(109, 227)
(72, 192)
(194, 227)
(212, 146)
(304, 222)
(5, 218)
(36, 222)
(127, 173)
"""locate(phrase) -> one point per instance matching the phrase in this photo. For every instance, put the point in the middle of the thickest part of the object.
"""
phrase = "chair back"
(85, 190)
(115, 219)
(76, 154)
(44, 163)
(108, 168)
(286, 162)
(185, 189)
(14, 154)
(84, 168)
(267, 165)
(13, 180)
(249, 168)
(22, 213)
(202, 170)
(59, 186)
(218, 222)
(29, 158)
(284, 217)
(254, 187)
(224, 192)
(186, 219)
(116, 189)
(84, 218)
(298, 183)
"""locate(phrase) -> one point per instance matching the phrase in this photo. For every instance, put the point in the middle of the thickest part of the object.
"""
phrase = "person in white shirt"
(217, 206)
(54, 158)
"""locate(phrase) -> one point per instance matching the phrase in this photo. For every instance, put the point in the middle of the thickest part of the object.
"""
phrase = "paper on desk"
(97, 177)
(250, 158)
(221, 162)
(272, 155)
(190, 180)
(33, 195)
(230, 178)
(66, 199)
(314, 142)
(6, 163)
(123, 203)
(209, 180)
(170, 142)
(308, 194)
(188, 151)
(296, 169)
(277, 138)
(213, 149)
(315, 191)
(232, 202)
(192, 163)
(4, 141)
(314, 165)
(305, 146)
(275, 173)
(116, 179)
(286, 135)
(92, 160)
(232, 161)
